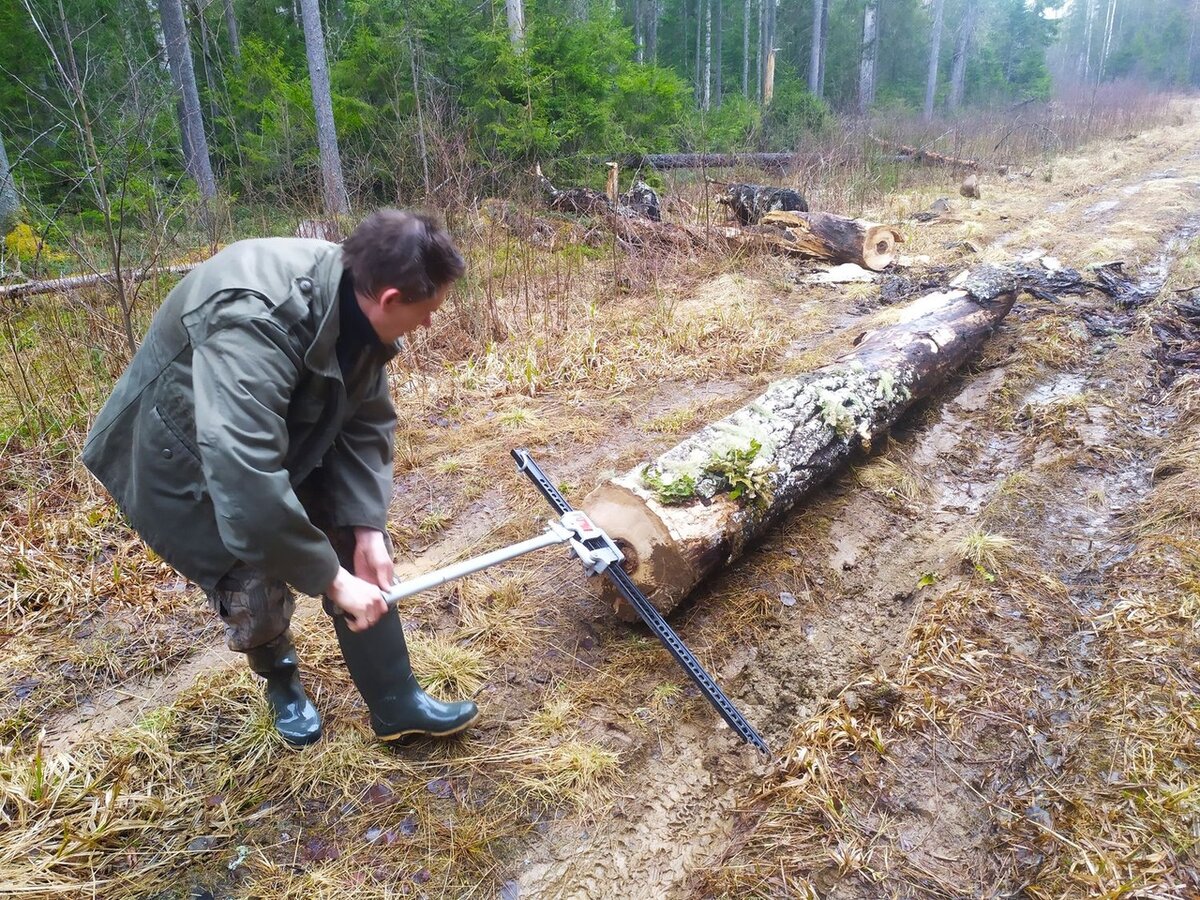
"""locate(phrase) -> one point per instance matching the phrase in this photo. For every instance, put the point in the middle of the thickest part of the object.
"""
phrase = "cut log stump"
(698, 506)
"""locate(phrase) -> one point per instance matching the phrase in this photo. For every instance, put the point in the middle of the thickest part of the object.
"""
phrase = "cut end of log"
(652, 556)
(879, 247)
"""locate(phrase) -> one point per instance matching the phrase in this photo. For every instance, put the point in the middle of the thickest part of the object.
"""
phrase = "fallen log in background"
(826, 236)
(919, 154)
(74, 282)
(678, 519)
(709, 160)
(822, 236)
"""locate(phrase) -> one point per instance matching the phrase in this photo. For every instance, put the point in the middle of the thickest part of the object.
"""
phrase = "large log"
(682, 517)
(826, 236)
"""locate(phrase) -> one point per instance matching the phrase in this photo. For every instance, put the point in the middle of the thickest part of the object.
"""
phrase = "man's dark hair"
(409, 251)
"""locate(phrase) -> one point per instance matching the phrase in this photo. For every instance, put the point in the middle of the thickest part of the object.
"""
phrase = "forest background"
(128, 117)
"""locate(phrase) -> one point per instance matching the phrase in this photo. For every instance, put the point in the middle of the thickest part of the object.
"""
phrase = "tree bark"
(814, 52)
(760, 56)
(416, 86)
(515, 10)
(962, 46)
(183, 76)
(336, 200)
(769, 83)
(824, 48)
(235, 41)
(807, 428)
(935, 50)
(866, 71)
(706, 92)
(8, 193)
(639, 34)
(1193, 46)
(746, 49)
(652, 32)
(1088, 29)
(206, 61)
(1108, 37)
(718, 14)
(825, 236)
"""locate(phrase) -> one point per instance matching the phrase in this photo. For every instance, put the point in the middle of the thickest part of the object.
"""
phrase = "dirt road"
(985, 684)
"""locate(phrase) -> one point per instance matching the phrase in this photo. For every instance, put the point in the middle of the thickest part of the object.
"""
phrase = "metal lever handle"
(554, 534)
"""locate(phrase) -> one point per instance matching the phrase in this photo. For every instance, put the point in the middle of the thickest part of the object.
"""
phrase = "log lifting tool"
(600, 556)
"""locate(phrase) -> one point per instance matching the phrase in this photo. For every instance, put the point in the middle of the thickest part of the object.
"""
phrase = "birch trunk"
(807, 429)
(935, 50)
(866, 71)
(336, 200)
(515, 10)
(706, 96)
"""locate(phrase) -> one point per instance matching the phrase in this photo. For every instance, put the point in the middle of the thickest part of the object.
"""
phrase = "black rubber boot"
(296, 719)
(378, 662)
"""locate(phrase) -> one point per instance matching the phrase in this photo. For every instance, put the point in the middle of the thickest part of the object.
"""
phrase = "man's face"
(392, 317)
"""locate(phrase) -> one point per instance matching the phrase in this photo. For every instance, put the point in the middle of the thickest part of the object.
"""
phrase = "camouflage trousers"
(256, 608)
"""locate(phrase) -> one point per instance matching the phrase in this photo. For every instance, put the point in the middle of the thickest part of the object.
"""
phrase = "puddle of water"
(1066, 385)
(1100, 208)
(1154, 276)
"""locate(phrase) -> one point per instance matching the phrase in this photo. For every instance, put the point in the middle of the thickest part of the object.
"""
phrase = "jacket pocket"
(172, 437)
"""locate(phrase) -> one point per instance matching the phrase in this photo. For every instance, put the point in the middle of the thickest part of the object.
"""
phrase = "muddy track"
(851, 560)
(861, 575)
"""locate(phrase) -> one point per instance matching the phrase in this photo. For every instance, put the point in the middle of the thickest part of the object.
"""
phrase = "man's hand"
(360, 600)
(372, 561)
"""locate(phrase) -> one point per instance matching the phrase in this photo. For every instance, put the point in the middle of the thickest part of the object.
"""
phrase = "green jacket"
(233, 399)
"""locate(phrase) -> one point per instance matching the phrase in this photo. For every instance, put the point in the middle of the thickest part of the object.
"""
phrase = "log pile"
(640, 201)
(698, 506)
(922, 155)
(749, 203)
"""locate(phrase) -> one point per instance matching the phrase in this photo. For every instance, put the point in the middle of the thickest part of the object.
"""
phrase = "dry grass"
(563, 352)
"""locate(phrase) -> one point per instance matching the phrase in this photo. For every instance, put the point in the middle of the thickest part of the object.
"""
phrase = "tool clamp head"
(590, 543)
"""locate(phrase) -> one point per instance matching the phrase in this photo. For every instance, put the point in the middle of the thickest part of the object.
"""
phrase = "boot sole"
(307, 741)
(415, 731)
